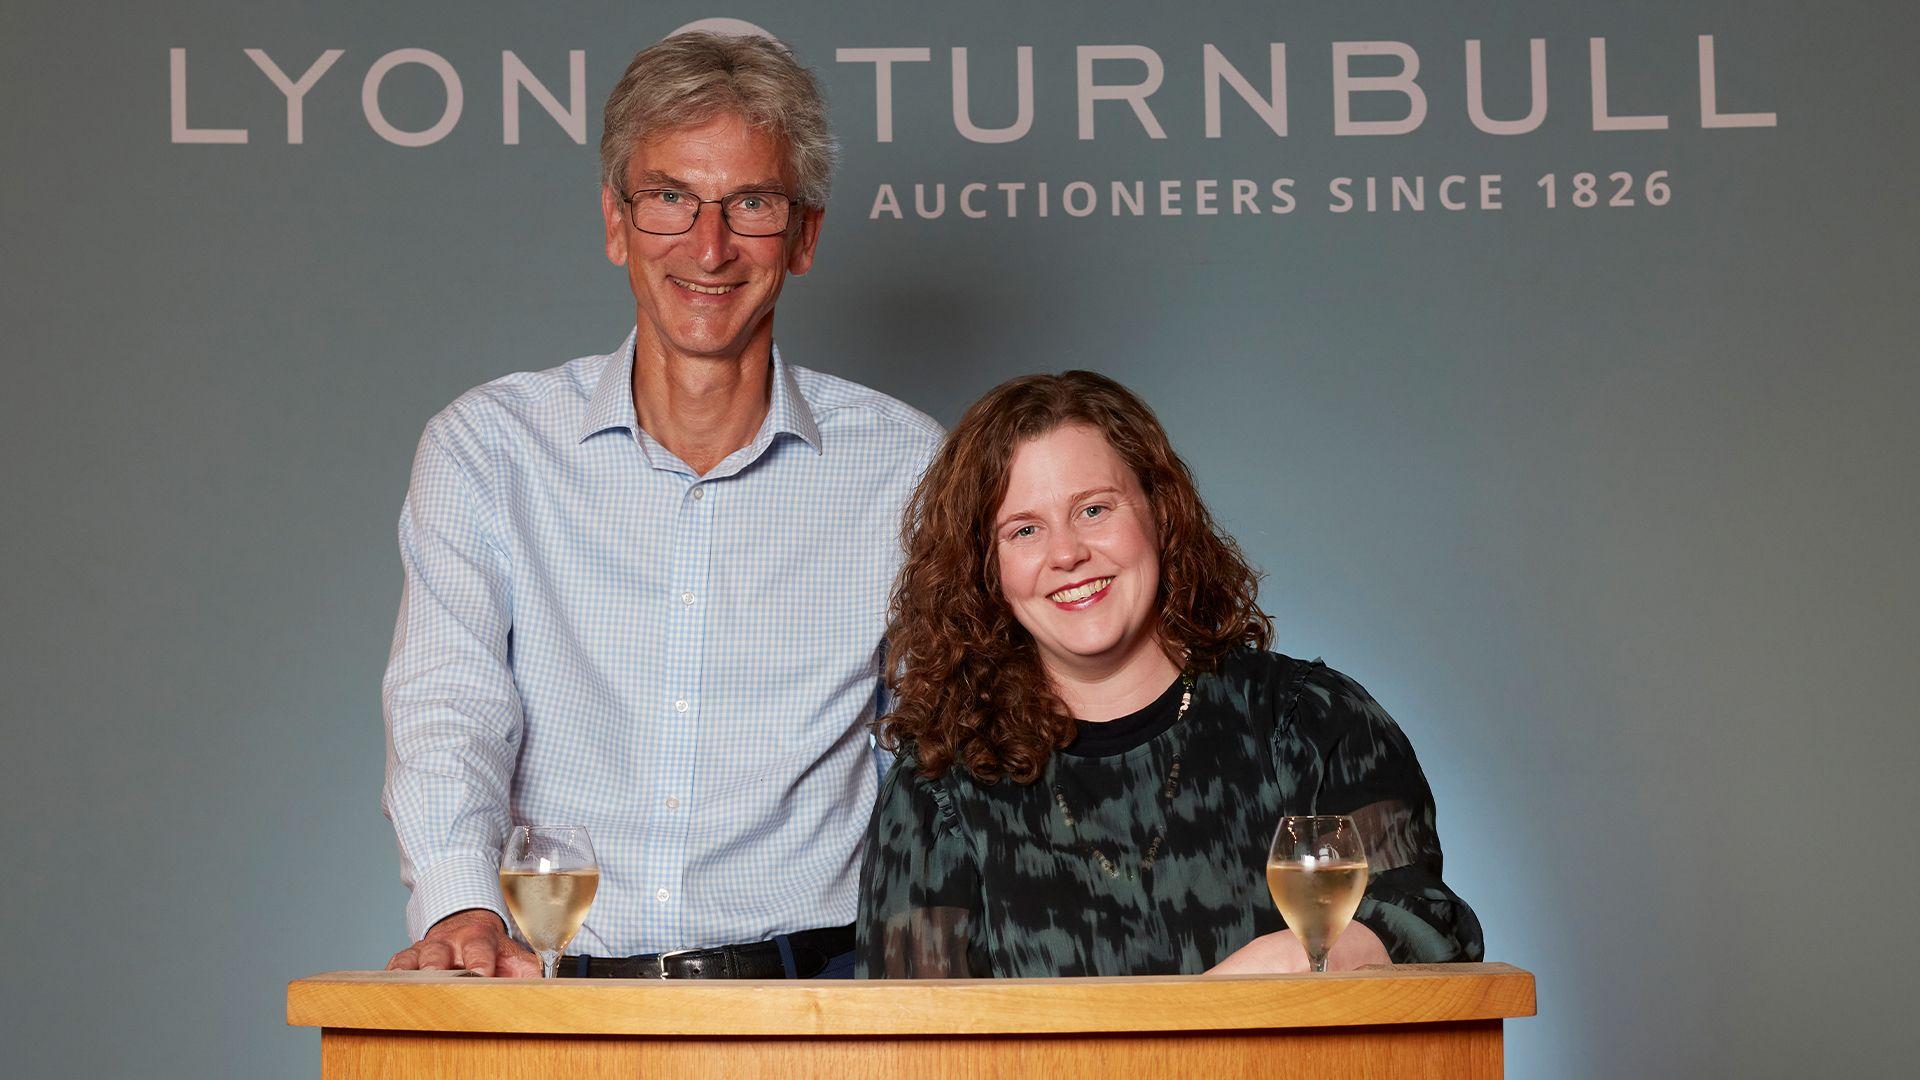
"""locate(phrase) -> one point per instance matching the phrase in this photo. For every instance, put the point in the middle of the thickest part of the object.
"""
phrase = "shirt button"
(698, 493)
(661, 896)
(680, 706)
(686, 598)
(673, 802)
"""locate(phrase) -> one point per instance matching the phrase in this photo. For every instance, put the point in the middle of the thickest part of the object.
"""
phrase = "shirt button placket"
(692, 546)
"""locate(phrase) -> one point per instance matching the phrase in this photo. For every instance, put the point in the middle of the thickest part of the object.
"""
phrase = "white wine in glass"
(1317, 872)
(548, 875)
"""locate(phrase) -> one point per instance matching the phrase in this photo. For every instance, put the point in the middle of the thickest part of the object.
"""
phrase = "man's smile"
(704, 290)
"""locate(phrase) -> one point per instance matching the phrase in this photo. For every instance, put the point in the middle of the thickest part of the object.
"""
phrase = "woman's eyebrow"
(1079, 496)
(1007, 519)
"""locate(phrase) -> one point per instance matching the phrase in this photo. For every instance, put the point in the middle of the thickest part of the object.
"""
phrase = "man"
(645, 592)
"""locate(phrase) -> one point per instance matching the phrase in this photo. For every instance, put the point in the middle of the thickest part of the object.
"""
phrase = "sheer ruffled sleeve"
(1349, 757)
(920, 907)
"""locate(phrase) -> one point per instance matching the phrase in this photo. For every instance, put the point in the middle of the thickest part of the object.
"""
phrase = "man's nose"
(712, 240)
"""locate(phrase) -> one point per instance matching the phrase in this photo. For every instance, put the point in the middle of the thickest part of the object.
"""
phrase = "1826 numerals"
(1585, 189)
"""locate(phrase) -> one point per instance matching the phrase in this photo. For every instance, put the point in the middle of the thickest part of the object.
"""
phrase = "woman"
(1094, 745)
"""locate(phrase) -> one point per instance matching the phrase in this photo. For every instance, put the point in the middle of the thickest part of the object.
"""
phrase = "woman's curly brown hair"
(967, 678)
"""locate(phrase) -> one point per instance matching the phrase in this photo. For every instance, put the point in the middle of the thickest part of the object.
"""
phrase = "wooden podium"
(1415, 1021)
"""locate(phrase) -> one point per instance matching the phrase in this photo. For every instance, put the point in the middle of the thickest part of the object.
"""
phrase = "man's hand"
(1281, 953)
(474, 939)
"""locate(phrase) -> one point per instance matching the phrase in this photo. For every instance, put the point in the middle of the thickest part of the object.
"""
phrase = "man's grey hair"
(690, 78)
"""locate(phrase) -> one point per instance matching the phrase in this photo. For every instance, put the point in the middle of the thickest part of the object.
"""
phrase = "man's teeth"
(710, 290)
(1080, 592)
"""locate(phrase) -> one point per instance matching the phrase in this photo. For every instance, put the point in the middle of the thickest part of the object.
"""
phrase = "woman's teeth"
(1080, 592)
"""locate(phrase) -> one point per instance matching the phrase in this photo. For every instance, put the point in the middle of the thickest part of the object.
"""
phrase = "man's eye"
(671, 198)
(751, 202)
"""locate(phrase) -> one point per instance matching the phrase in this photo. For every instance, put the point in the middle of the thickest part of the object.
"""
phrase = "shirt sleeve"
(920, 906)
(1353, 759)
(453, 714)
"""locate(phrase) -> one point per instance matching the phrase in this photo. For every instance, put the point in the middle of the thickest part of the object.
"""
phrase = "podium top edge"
(455, 1002)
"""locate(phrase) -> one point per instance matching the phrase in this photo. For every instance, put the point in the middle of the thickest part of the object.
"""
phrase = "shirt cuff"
(455, 883)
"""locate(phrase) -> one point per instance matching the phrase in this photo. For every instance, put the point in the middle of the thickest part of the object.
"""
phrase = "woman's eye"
(1021, 533)
(1094, 511)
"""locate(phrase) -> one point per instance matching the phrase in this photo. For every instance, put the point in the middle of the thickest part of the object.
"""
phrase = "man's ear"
(614, 210)
(800, 256)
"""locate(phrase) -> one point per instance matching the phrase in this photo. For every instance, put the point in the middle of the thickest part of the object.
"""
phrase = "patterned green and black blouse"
(1141, 850)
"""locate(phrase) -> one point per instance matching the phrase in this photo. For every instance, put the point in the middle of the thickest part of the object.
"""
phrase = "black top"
(1148, 856)
(1137, 728)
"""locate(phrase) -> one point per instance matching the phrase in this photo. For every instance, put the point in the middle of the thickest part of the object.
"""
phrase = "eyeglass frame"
(700, 205)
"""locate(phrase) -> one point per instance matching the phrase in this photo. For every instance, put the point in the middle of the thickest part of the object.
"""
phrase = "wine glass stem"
(1318, 963)
(550, 964)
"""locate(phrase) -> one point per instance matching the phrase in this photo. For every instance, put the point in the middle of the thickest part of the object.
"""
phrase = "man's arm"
(453, 713)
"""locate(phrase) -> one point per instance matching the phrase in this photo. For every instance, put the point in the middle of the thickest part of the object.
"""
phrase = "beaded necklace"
(1168, 788)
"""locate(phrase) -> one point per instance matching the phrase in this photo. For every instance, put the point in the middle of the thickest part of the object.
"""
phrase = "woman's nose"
(1067, 550)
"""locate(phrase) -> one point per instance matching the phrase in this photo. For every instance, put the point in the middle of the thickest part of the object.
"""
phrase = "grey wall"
(1611, 507)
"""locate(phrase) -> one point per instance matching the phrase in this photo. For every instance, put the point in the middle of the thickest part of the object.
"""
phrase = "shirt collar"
(788, 411)
(611, 405)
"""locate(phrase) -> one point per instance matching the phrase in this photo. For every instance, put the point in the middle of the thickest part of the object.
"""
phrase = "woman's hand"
(1281, 953)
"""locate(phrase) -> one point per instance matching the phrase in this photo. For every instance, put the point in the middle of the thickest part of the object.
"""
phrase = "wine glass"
(548, 874)
(1317, 871)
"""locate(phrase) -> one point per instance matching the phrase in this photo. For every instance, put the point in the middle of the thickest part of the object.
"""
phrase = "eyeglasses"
(670, 211)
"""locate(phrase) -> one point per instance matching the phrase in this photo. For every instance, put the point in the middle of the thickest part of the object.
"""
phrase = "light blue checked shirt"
(590, 634)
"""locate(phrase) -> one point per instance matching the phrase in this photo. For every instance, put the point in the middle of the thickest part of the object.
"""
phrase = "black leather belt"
(803, 957)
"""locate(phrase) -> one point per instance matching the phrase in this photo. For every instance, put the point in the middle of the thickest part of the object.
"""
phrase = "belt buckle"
(663, 957)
